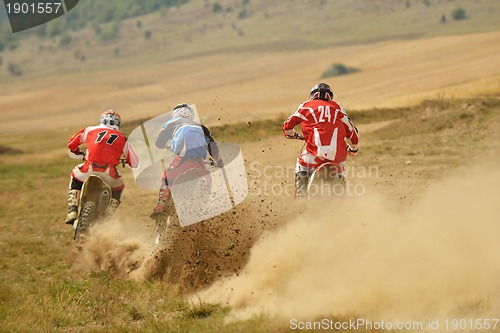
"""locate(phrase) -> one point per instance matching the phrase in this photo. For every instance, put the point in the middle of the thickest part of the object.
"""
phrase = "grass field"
(419, 244)
(47, 286)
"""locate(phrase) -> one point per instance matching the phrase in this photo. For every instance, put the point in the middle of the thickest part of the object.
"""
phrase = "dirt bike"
(327, 179)
(95, 198)
(188, 191)
(179, 238)
(176, 243)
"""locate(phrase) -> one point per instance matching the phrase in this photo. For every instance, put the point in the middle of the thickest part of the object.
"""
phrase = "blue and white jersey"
(189, 141)
(188, 138)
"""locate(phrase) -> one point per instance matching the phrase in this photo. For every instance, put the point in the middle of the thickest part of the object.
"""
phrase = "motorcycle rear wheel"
(85, 220)
(165, 225)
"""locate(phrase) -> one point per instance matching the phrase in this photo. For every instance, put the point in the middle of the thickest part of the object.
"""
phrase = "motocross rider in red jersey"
(328, 131)
(105, 146)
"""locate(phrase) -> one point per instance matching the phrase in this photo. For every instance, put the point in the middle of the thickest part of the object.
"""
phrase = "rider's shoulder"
(335, 105)
(175, 121)
(101, 127)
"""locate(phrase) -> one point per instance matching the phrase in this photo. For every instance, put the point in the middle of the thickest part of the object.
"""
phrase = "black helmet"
(321, 91)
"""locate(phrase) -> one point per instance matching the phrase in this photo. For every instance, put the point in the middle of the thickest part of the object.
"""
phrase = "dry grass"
(43, 290)
(256, 86)
(243, 94)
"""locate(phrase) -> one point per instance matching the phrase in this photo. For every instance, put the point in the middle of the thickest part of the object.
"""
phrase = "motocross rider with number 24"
(328, 131)
(105, 146)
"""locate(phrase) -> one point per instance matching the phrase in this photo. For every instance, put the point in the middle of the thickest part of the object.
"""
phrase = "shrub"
(217, 7)
(65, 40)
(15, 69)
(147, 34)
(9, 150)
(338, 69)
(458, 13)
(244, 13)
(109, 32)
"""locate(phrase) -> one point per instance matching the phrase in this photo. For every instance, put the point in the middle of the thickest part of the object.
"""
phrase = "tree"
(15, 69)
(458, 13)
(217, 7)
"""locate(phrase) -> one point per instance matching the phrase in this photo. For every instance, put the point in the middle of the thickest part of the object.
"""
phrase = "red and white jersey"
(325, 127)
(105, 145)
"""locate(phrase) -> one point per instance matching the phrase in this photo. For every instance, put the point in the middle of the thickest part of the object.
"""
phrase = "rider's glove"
(77, 151)
(217, 163)
(294, 136)
(352, 152)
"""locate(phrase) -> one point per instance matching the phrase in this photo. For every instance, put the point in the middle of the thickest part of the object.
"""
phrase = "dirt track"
(410, 229)
(204, 252)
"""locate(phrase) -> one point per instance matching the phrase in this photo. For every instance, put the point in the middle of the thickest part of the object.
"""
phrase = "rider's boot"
(73, 198)
(111, 209)
(161, 205)
(301, 180)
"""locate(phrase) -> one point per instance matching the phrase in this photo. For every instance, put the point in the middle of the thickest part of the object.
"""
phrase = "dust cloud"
(361, 256)
(111, 247)
(193, 258)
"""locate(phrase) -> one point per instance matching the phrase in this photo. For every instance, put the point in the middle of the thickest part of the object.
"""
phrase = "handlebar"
(214, 163)
(297, 136)
(81, 156)
(76, 155)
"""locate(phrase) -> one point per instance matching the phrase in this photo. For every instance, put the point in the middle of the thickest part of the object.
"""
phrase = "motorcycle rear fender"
(328, 170)
(97, 190)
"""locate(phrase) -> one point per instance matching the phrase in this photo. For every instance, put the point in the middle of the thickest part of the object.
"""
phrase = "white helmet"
(110, 118)
(183, 110)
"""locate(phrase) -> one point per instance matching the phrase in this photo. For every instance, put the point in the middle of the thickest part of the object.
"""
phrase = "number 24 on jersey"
(324, 114)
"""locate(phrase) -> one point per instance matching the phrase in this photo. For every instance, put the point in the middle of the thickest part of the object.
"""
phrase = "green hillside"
(98, 34)
(93, 12)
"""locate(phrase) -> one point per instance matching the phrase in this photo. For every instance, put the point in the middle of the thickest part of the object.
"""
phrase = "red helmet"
(110, 118)
(321, 91)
